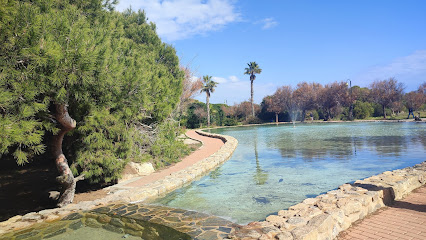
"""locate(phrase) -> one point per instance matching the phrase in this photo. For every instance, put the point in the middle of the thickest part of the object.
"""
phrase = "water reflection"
(260, 177)
(344, 143)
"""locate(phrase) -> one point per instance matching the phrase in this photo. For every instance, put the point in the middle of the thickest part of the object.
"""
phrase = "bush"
(166, 149)
(253, 120)
(362, 110)
(230, 122)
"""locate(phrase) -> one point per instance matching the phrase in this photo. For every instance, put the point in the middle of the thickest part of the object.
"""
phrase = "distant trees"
(252, 69)
(386, 92)
(334, 100)
(208, 87)
(330, 102)
(415, 99)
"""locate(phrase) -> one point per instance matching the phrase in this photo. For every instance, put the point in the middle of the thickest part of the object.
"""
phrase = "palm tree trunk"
(66, 177)
(251, 99)
(208, 109)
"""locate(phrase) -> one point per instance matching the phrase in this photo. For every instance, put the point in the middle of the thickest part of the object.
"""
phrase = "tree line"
(334, 101)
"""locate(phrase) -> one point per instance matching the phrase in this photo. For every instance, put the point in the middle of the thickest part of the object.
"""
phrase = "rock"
(103, 218)
(310, 201)
(297, 221)
(284, 236)
(305, 233)
(324, 223)
(143, 169)
(31, 217)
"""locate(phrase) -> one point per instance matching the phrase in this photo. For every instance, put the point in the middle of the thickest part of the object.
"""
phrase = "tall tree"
(208, 88)
(252, 70)
(333, 97)
(75, 66)
(306, 95)
(386, 92)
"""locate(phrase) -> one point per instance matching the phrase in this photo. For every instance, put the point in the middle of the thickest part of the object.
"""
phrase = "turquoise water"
(275, 167)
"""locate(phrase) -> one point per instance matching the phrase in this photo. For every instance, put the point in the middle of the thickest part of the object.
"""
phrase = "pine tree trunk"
(66, 177)
(208, 109)
(251, 99)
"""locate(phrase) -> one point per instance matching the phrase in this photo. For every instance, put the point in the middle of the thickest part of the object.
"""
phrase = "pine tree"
(87, 75)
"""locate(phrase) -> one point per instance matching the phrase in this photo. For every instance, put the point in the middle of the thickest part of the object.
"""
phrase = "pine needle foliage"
(112, 71)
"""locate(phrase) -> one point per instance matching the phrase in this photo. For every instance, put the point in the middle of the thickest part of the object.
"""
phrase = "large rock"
(142, 169)
(133, 169)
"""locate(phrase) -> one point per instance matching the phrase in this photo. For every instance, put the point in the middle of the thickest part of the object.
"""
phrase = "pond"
(277, 166)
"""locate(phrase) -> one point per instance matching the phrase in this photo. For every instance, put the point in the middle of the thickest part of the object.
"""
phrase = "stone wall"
(325, 216)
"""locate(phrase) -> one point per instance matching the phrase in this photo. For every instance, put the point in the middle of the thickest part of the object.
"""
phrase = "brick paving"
(404, 219)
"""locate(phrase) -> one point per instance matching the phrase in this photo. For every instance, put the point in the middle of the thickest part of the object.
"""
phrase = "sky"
(292, 41)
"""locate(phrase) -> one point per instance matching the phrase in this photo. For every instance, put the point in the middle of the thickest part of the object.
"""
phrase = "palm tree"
(208, 87)
(253, 68)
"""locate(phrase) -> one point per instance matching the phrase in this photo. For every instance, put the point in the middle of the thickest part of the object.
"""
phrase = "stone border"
(136, 194)
(325, 216)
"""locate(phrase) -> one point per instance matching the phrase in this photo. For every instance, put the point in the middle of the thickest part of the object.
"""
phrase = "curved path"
(210, 146)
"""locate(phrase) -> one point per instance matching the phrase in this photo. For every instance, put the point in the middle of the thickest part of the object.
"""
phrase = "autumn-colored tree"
(333, 97)
(415, 99)
(190, 88)
(273, 105)
(252, 69)
(306, 96)
(386, 92)
(243, 110)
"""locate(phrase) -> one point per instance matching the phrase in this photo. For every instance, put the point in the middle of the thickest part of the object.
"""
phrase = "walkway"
(210, 146)
(405, 219)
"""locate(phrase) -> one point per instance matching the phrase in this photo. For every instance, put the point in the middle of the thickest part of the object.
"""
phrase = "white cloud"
(411, 70)
(180, 19)
(219, 79)
(234, 78)
(268, 23)
(234, 91)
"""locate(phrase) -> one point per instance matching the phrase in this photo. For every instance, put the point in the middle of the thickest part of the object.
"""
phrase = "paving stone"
(73, 216)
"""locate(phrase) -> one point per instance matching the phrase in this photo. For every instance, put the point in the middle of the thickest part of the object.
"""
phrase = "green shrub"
(230, 122)
(363, 110)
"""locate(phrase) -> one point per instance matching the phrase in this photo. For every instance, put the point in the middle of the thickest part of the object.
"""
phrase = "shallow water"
(275, 167)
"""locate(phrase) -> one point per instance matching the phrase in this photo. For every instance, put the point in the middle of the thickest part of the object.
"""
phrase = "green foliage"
(254, 120)
(110, 68)
(362, 110)
(230, 122)
(165, 149)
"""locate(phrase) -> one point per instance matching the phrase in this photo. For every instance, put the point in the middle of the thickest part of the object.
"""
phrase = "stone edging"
(138, 194)
(325, 216)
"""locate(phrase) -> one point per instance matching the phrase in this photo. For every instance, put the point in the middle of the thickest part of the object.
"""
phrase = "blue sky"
(293, 41)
